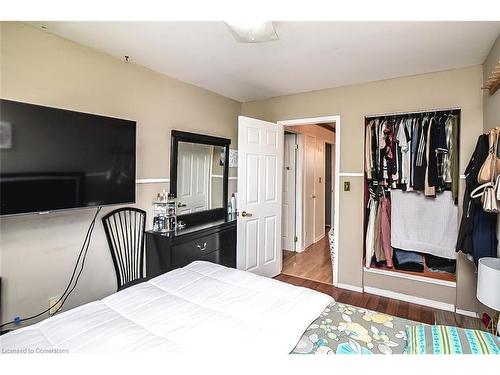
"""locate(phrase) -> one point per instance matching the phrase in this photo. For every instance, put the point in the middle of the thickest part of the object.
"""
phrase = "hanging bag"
(490, 203)
(488, 171)
(497, 189)
(488, 191)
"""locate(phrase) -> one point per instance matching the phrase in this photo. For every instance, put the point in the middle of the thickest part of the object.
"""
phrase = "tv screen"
(54, 159)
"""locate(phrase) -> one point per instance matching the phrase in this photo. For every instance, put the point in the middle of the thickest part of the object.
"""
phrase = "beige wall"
(37, 253)
(491, 104)
(452, 88)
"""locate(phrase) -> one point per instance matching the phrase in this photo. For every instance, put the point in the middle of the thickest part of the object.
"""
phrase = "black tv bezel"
(60, 210)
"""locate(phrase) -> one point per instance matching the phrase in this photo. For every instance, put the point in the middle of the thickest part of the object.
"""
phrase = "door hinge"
(295, 239)
(296, 146)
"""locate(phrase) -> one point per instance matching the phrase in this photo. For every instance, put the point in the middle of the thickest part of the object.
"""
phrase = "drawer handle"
(202, 248)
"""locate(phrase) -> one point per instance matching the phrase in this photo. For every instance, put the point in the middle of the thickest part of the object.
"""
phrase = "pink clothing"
(385, 229)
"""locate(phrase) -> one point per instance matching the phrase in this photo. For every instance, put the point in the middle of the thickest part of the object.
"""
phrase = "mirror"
(199, 176)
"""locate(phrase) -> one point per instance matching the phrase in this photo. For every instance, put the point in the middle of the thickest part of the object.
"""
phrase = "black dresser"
(213, 241)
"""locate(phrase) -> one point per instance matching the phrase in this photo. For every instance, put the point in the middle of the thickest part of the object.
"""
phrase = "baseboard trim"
(319, 238)
(472, 314)
(350, 287)
(412, 299)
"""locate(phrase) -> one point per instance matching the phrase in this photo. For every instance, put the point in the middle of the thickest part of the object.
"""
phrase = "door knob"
(314, 197)
(181, 204)
(245, 214)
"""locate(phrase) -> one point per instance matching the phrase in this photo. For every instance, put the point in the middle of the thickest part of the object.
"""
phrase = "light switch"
(347, 185)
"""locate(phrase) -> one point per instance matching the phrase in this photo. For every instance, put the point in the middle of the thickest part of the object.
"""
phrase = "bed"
(205, 307)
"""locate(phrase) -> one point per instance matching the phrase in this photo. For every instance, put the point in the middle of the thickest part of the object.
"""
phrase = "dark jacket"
(465, 233)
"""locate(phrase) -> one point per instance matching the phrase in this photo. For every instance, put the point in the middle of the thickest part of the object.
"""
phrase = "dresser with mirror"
(199, 171)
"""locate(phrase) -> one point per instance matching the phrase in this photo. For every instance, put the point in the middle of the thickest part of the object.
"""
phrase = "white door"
(193, 181)
(288, 210)
(319, 191)
(260, 167)
(309, 197)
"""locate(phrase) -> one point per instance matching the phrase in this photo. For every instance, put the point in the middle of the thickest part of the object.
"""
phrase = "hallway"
(312, 264)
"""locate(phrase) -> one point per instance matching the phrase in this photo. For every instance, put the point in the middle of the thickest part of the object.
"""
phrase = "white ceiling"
(308, 55)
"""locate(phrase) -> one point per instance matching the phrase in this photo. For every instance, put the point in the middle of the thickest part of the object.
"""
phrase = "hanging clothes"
(377, 242)
(414, 159)
(454, 156)
(471, 205)
(385, 229)
(370, 232)
(420, 160)
(423, 224)
(431, 170)
(404, 140)
(413, 152)
(484, 236)
(368, 150)
(477, 236)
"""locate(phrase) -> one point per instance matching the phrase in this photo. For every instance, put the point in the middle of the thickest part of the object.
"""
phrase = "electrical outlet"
(53, 306)
(347, 185)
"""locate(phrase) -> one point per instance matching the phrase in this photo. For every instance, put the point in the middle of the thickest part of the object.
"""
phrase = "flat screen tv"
(55, 159)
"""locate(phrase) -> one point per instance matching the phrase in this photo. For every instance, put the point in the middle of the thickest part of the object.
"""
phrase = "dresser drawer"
(199, 248)
(213, 244)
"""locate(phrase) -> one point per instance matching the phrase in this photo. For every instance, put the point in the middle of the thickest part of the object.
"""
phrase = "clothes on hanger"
(426, 225)
(370, 232)
(413, 152)
(470, 205)
(412, 159)
(477, 236)
(385, 229)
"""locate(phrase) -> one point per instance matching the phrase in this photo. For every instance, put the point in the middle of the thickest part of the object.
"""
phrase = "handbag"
(497, 189)
(488, 195)
(490, 168)
(489, 199)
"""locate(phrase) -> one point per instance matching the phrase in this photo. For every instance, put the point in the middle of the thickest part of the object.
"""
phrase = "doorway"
(309, 169)
(328, 186)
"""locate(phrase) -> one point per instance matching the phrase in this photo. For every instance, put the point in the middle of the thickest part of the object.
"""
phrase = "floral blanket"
(346, 329)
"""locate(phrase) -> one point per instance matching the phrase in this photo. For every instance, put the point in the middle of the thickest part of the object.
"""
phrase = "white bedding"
(202, 307)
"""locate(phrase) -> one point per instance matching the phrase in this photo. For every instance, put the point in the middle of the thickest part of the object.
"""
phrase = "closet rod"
(414, 112)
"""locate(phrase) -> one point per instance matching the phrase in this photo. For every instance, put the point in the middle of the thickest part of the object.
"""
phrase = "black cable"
(81, 268)
(83, 250)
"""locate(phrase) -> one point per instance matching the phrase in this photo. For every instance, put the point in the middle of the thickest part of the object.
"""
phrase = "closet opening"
(308, 202)
(411, 193)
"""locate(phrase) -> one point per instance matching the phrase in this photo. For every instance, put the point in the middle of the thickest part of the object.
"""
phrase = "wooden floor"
(313, 264)
(387, 305)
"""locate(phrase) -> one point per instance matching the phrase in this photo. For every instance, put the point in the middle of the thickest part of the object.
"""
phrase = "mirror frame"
(181, 136)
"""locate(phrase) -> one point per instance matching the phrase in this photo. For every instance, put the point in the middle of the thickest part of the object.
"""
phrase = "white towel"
(423, 224)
